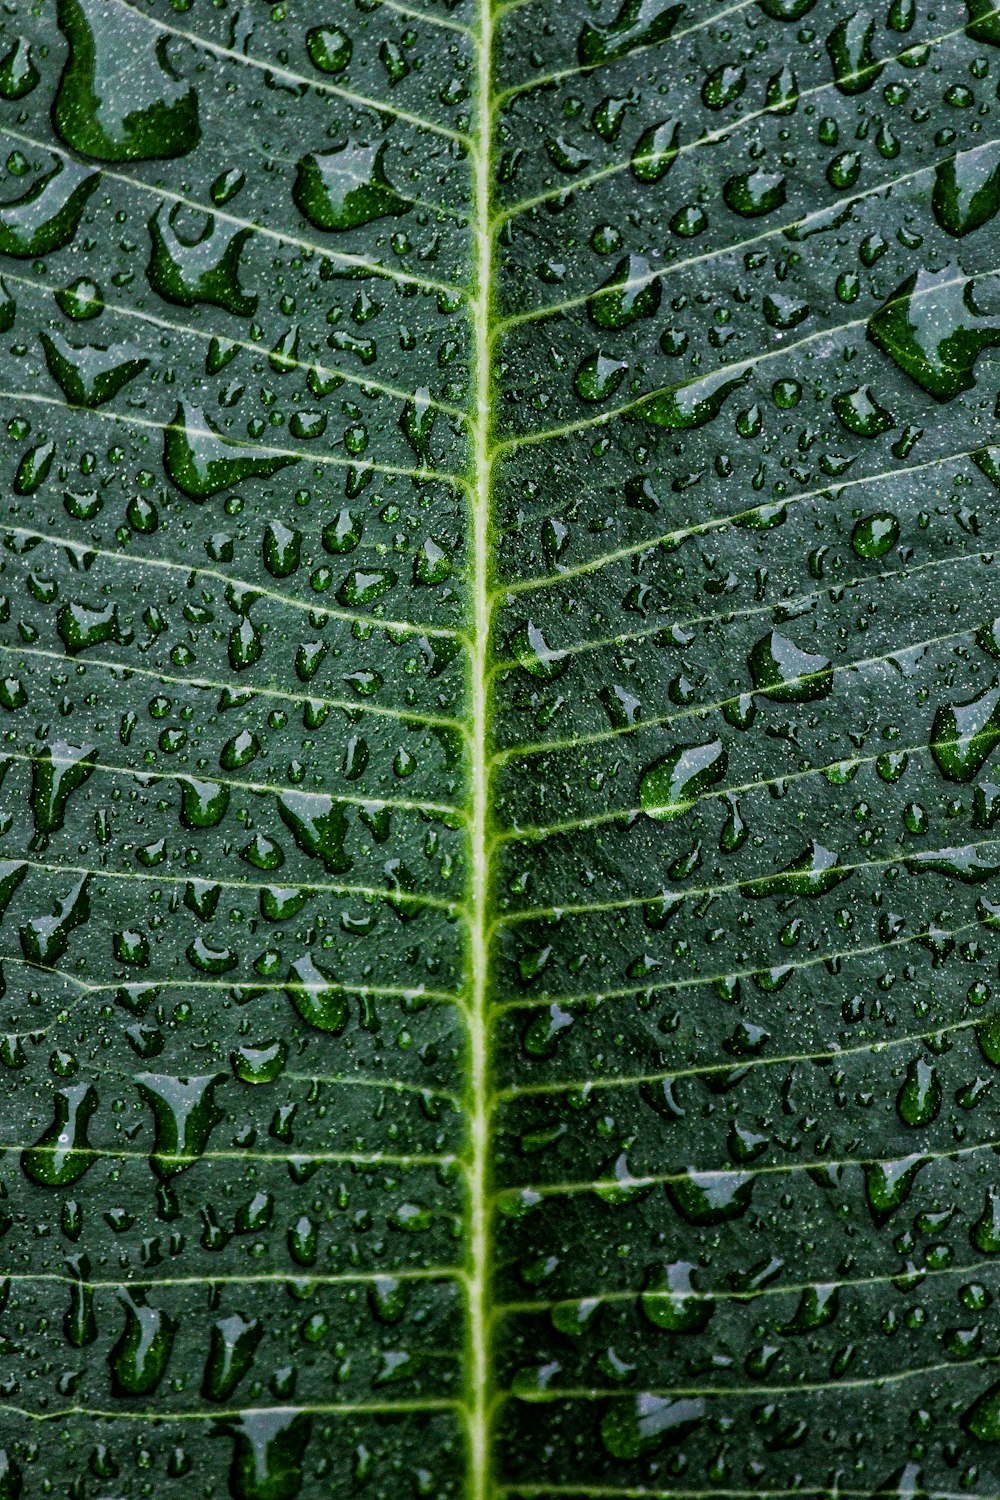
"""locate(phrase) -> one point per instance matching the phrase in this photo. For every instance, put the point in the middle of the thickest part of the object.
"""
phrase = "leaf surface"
(500, 693)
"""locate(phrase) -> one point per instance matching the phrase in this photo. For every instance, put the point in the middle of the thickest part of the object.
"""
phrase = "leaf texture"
(500, 691)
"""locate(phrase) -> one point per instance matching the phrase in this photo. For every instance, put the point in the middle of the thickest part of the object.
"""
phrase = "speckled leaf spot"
(500, 708)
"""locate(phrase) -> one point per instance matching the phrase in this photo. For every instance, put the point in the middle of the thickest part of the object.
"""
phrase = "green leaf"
(500, 694)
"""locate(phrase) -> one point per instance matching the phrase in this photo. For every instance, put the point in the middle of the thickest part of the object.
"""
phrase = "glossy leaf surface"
(500, 695)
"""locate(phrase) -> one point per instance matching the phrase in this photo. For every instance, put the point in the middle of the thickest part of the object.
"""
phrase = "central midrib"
(478, 1293)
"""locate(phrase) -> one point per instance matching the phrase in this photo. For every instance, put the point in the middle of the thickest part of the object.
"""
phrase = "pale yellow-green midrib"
(477, 1373)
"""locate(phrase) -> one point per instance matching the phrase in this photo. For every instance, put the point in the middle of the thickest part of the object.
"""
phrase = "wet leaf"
(501, 828)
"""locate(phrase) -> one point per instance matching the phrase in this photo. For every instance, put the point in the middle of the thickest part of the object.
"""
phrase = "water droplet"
(669, 787)
(967, 189)
(640, 1424)
(139, 1359)
(203, 269)
(184, 1115)
(341, 190)
(329, 48)
(201, 462)
(62, 1153)
(930, 327)
(47, 216)
(785, 673)
(964, 735)
(117, 99)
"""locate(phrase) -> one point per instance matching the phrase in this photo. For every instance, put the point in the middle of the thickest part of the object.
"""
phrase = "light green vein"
(350, 706)
(640, 1181)
(288, 601)
(701, 981)
(276, 70)
(559, 75)
(905, 1279)
(749, 362)
(759, 1392)
(711, 137)
(381, 893)
(154, 774)
(206, 335)
(832, 1053)
(791, 602)
(625, 903)
(733, 247)
(281, 237)
(659, 721)
(161, 1415)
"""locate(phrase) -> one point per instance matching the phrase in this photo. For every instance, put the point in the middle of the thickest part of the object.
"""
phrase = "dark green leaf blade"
(500, 687)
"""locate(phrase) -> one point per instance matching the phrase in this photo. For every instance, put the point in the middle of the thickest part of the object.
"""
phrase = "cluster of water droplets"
(746, 710)
(741, 466)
